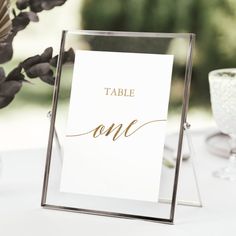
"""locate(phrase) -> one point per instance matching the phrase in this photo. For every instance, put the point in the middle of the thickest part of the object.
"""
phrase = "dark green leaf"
(69, 56)
(2, 75)
(38, 70)
(32, 16)
(22, 4)
(4, 101)
(47, 55)
(29, 62)
(16, 74)
(10, 88)
(35, 5)
(48, 5)
(48, 79)
(6, 52)
(20, 21)
(53, 61)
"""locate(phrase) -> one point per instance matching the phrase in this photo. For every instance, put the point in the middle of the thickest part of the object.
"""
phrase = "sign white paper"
(116, 124)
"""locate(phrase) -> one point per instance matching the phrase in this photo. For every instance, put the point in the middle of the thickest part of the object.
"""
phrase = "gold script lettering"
(116, 130)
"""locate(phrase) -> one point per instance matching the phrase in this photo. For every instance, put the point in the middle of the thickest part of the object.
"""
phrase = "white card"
(116, 124)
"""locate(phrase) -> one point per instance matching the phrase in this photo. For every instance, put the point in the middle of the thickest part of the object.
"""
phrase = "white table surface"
(21, 214)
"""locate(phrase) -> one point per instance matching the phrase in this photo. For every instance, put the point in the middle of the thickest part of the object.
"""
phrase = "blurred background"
(213, 22)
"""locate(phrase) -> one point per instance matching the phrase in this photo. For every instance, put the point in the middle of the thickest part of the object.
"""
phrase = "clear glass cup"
(223, 101)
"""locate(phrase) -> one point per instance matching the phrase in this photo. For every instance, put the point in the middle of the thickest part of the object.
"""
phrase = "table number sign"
(109, 124)
(116, 124)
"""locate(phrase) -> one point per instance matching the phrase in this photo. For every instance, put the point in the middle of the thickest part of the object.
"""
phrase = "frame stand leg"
(190, 145)
(191, 160)
(57, 141)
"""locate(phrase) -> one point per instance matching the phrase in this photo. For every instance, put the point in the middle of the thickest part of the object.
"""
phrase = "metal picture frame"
(51, 178)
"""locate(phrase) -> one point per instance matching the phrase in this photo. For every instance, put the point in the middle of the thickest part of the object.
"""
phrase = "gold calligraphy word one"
(116, 130)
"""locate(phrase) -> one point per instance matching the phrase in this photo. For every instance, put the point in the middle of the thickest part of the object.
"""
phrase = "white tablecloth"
(21, 214)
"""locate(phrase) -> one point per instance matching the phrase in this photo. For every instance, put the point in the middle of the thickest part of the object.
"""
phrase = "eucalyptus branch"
(38, 66)
(28, 10)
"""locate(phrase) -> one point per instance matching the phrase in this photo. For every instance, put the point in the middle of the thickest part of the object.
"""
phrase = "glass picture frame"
(180, 46)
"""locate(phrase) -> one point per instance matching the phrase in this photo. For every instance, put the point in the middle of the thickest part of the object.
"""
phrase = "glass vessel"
(223, 101)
